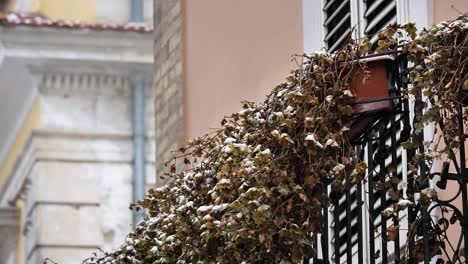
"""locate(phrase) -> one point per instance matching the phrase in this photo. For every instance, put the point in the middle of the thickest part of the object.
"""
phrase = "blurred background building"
(76, 134)
(79, 118)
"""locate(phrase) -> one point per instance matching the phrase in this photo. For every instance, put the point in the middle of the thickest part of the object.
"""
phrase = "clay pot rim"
(371, 58)
(375, 58)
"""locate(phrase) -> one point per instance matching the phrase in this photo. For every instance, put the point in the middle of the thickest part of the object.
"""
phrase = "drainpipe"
(138, 123)
(137, 11)
(138, 105)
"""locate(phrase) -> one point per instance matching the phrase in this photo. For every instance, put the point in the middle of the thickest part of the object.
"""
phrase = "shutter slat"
(374, 6)
(374, 38)
(380, 16)
(335, 13)
(337, 27)
(341, 39)
(337, 23)
(328, 5)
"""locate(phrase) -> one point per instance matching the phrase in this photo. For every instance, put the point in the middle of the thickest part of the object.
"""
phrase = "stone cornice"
(68, 80)
(85, 45)
(48, 145)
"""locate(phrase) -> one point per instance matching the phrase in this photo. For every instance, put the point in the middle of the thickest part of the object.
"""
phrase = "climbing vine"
(255, 191)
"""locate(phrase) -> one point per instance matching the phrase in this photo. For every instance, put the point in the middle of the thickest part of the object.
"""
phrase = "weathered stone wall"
(73, 177)
(78, 164)
(168, 80)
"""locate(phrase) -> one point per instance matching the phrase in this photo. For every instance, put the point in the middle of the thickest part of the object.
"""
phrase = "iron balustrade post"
(395, 188)
(423, 172)
(359, 214)
(348, 216)
(409, 153)
(370, 181)
(383, 192)
(336, 232)
(324, 237)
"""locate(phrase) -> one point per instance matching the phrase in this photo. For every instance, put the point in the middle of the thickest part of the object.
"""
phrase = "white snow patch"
(229, 140)
(205, 208)
(220, 208)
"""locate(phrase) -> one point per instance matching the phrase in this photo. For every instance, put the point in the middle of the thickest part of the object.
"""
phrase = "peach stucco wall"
(448, 9)
(235, 50)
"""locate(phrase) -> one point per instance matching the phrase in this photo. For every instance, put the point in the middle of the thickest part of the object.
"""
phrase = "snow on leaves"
(255, 190)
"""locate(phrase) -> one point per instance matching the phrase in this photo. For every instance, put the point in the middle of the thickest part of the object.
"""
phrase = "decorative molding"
(84, 83)
(79, 62)
(58, 80)
(86, 45)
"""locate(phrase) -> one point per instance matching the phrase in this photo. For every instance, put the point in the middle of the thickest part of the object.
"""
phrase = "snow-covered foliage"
(255, 190)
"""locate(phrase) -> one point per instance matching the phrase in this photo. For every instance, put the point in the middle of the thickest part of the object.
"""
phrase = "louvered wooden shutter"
(385, 157)
(378, 14)
(385, 160)
(337, 23)
(340, 233)
(375, 15)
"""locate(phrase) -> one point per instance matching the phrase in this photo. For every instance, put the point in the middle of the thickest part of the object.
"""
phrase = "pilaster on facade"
(77, 45)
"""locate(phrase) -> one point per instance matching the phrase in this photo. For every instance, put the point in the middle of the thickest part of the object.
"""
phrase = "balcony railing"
(354, 228)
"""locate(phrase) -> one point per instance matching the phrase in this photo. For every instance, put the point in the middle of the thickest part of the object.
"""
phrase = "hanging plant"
(256, 189)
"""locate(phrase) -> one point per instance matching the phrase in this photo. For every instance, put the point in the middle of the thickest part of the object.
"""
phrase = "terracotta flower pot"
(372, 95)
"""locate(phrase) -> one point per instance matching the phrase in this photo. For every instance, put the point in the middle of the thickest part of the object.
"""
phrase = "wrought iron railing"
(354, 229)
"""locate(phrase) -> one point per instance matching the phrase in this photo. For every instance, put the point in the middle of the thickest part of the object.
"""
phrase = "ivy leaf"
(262, 214)
(410, 28)
(346, 110)
(408, 145)
(296, 254)
(283, 189)
(311, 181)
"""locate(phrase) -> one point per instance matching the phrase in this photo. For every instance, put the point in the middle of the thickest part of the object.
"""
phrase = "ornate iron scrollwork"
(427, 240)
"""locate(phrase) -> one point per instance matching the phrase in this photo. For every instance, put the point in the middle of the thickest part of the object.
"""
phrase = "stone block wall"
(168, 81)
(79, 181)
